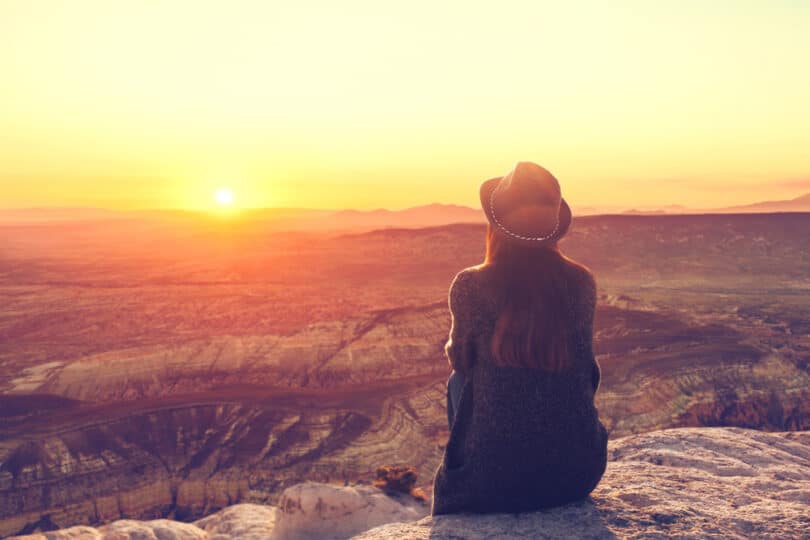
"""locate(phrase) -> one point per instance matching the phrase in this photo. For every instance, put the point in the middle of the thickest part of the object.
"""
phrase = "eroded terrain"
(152, 370)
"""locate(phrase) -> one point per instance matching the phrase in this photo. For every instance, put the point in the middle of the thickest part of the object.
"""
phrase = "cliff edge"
(685, 482)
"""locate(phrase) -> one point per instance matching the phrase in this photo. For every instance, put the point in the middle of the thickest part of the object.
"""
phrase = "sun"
(224, 197)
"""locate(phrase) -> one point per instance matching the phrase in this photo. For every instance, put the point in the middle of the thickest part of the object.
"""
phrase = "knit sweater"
(523, 438)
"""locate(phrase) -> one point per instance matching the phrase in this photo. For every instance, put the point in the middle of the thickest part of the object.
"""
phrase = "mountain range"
(308, 219)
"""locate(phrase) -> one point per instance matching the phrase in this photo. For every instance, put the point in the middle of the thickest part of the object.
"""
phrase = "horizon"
(235, 211)
(310, 107)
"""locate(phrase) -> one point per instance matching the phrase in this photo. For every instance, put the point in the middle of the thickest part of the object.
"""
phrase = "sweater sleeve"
(588, 310)
(459, 346)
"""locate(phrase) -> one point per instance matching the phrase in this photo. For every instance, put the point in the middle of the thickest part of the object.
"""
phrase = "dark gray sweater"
(523, 439)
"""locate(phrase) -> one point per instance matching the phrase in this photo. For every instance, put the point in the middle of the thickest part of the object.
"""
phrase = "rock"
(687, 482)
(243, 521)
(313, 511)
(307, 511)
(127, 529)
(159, 529)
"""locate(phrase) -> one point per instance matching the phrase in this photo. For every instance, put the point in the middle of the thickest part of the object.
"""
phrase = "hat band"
(514, 234)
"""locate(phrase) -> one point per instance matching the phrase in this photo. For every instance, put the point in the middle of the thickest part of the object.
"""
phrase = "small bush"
(398, 479)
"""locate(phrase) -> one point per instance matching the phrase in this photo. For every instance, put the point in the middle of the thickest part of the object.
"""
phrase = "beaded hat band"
(526, 204)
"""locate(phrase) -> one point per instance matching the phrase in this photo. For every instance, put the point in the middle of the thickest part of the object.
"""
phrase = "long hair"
(534, 324)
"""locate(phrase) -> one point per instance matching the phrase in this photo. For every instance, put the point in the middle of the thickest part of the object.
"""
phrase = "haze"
(362, 105)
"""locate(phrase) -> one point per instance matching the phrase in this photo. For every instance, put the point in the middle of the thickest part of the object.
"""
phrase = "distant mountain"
(799, 204)
(418, 216)
(634, 211)
(316, 220)
(298, 219)
(56, 214)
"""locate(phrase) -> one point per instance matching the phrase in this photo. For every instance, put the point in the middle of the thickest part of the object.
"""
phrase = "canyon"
(152, 370)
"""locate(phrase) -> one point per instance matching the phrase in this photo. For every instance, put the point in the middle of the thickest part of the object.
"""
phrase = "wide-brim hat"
(527, 205)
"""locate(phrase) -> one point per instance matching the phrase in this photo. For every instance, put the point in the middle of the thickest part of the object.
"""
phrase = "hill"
(799, 204)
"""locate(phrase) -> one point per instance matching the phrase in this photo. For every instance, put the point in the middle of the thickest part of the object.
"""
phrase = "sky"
(367, 104)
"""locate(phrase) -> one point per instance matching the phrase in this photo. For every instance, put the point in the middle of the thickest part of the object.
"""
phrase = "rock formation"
(185, 457)
(685, 482)
(186, 373)
(313, 511)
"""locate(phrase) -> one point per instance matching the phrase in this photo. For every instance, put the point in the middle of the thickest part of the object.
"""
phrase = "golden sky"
(367, 104)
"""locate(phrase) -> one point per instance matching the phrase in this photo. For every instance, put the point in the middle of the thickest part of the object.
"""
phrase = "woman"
(524, 431)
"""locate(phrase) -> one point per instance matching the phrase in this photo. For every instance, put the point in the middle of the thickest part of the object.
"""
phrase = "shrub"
(394, 479)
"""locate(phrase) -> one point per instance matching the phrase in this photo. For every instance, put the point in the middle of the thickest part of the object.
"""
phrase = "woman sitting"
(524, 431)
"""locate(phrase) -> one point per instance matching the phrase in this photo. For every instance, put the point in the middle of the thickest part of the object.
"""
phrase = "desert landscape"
(228, 231)
(172, 364)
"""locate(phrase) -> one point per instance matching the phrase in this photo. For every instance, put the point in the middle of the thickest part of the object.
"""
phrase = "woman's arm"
(459, 347)
(587, 311)
(596, 375)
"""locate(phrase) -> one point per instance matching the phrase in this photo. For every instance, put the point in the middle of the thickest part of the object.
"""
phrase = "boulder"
(313, 511)
(243, 521)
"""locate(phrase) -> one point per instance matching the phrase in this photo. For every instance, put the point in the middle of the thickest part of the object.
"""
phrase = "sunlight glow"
(224, 197)
(320, 104)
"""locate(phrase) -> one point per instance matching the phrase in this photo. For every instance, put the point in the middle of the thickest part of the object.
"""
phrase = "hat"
(526, 204)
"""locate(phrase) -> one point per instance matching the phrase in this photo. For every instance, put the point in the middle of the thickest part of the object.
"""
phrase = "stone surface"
(312, 511)
(307, 511)
(682, 483)
(725, 483)
(243, 521)
(127, 529)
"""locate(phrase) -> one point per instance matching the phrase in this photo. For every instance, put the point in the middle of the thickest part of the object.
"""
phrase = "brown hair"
(533, 327)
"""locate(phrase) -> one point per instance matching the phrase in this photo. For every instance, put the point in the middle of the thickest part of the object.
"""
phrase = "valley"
(152, 370)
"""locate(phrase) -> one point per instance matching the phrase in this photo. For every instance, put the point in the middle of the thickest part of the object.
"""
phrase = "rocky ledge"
(686, 482)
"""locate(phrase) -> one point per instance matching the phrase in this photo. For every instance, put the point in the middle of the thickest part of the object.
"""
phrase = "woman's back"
(523, 437)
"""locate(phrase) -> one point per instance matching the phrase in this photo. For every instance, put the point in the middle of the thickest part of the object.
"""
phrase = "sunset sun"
(224, 197)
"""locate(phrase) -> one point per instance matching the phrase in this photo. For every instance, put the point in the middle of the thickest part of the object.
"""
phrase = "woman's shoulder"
(470, 277)
(580, 275)
(465, 281)
(468, 288)
(582, 288)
